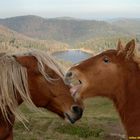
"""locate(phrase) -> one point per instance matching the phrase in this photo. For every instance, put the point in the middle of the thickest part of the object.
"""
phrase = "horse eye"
(106, 60)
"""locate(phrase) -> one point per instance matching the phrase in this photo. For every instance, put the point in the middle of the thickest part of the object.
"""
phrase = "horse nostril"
(78, 110)
(69, 74)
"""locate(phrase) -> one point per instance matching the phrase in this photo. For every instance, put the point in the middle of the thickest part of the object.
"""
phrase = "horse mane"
(13, 80)
(45, 59)
(136, 56)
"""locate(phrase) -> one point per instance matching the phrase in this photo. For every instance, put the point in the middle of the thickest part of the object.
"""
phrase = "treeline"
(99, 44)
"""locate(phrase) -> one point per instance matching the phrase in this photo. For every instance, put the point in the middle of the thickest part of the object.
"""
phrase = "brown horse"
(36, 79)
(114, 74)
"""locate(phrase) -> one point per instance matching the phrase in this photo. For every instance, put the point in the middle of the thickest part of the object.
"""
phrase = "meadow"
(99, 122)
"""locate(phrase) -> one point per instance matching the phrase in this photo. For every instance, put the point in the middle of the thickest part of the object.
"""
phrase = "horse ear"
(129, 49)
(27, 61)
(119, 47)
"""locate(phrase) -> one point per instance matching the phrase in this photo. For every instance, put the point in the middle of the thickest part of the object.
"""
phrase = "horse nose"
(68, 77)
(78, 110)
(68, 74)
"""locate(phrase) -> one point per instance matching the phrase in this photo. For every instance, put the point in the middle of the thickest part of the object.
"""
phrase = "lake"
(73, 56)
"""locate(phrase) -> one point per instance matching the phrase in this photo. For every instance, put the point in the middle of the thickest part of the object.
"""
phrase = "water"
(73, 56)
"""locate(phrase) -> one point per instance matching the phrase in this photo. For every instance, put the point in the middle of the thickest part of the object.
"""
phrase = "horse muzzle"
(74, 83)
(75, 114)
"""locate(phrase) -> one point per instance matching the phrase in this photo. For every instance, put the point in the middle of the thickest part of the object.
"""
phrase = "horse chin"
(69, 119)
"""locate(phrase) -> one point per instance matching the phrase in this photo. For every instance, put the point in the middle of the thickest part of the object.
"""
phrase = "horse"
(35, 78)
(115, 74)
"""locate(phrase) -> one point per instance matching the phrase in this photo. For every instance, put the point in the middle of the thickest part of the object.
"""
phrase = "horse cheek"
(107, 78)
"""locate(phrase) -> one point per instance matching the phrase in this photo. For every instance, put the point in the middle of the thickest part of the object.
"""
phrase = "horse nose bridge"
(68, 76)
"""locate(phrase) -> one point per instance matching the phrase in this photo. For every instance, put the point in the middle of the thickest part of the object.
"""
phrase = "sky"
(87, 9)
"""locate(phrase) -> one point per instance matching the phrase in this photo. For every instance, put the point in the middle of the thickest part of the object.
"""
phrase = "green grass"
(80, 131)
(98, 122)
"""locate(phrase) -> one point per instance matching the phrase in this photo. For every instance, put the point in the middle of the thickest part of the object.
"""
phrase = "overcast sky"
(88, 9)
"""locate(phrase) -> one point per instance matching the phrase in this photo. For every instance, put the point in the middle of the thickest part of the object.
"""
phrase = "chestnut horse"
(114, 74)
(35, 78)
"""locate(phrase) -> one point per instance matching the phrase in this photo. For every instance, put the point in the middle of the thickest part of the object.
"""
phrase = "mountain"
(63, 29)
(7, 34)
(130, 25)
(11, 38)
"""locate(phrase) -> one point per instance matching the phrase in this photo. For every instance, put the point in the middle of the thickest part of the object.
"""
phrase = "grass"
(80, 131)
(99, 121)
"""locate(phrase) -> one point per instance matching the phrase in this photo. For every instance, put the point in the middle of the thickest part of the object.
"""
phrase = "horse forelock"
(45, 59)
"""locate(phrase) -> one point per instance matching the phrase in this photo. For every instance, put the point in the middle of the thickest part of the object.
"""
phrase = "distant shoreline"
(81, 49)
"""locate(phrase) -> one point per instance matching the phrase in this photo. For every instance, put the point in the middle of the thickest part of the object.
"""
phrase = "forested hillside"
(67, 30)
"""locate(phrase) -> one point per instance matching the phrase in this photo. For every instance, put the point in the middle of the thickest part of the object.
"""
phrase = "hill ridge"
(70, 31)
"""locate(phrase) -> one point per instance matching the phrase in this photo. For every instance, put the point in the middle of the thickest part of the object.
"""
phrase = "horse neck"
(127, 103)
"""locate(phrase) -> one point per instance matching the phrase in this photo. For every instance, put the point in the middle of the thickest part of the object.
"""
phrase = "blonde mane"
(13, 80)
